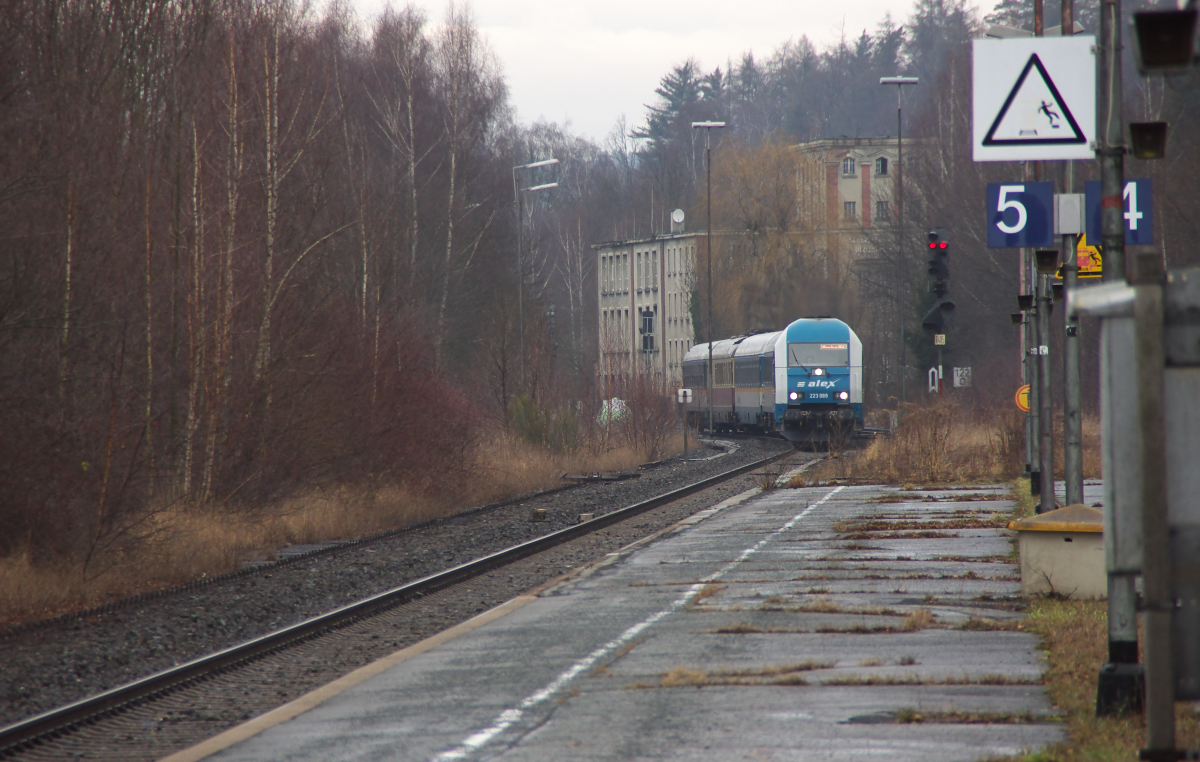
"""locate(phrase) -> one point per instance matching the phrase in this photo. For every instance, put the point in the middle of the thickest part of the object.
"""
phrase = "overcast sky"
(587, 62)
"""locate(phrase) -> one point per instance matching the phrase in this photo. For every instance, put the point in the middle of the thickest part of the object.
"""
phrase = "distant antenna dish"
(677, 216)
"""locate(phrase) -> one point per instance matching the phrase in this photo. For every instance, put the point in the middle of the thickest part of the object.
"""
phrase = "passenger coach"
(804, 382)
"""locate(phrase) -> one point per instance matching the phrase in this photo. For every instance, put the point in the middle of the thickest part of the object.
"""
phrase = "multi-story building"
(646, 291)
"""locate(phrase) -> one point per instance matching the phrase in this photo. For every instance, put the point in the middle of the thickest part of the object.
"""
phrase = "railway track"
(51, 727)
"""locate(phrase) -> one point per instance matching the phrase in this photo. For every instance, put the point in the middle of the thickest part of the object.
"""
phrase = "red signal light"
(943, 245)
(932, 245)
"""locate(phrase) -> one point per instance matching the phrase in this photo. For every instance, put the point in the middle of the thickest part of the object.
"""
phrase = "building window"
(850, 209)
(647, 330)
(883, 211)
(881, 165)
(848, 165)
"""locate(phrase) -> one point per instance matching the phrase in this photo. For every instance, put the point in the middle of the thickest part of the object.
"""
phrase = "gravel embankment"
(46, 668)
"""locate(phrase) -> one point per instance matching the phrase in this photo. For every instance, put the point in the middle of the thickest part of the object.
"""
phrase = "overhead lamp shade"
(1024, 302)
(1165, 39)
(1047, 261)
(1057, 291)
(1017, 317)
(1149, 139)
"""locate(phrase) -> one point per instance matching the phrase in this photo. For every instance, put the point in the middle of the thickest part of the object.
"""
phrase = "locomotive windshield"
(824, 355)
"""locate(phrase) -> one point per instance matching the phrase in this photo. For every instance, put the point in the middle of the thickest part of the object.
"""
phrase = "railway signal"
(939, 269)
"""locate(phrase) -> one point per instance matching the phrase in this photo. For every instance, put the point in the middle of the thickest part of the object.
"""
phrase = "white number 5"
(1007, 203)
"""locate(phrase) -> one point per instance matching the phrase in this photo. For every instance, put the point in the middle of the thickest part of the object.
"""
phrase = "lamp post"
(520, 265)
(708, 128)
(900, 82)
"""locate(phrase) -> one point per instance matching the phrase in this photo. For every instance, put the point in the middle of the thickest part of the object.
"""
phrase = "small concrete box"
(1063, 552)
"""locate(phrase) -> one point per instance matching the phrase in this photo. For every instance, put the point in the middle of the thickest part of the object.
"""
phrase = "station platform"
(823, 623)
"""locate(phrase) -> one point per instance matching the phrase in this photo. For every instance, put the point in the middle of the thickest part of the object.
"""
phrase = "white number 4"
(1006, 203)
(1133, 215)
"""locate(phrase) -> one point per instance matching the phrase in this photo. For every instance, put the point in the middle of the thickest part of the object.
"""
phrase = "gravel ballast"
(48, 667)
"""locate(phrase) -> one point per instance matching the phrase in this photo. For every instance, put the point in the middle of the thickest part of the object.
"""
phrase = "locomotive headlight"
(843, 395)
(794, 396)
(818, 371)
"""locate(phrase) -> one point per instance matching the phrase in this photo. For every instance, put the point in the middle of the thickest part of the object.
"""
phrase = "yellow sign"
(1023, 398)
(1088, 259)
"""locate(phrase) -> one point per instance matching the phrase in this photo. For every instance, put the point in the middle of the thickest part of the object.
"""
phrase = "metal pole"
(1072, 394)
(520, 282)
(1117, 678)
(1072, 420)
(1046, 501)
(683, 407)
(1157, 560)
(708, 172)
(1110, 107)
(900, 236)
(1033, 426)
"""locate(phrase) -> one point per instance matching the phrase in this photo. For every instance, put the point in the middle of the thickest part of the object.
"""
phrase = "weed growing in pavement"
(917, 620)
(822, 605)
(767, 479)
(708, 591)
(907, 660)
(912, 716)
(858, 629)
(982, 623)
(739, 628)
(684, 676)
(781, 675)
(871, 661)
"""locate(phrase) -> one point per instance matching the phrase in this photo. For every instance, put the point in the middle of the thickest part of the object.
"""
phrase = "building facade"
(847, 188)
(646, 289)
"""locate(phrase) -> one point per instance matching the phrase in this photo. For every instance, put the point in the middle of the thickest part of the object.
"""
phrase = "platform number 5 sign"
(1020, 214)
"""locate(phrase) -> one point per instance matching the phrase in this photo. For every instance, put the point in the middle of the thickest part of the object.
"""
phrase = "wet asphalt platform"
(824, 623)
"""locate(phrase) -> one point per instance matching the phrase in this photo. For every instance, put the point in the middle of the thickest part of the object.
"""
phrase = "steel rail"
(56, 723)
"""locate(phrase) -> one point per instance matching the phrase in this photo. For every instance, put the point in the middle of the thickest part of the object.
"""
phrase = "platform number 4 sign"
(962, 377)
(1138, 214)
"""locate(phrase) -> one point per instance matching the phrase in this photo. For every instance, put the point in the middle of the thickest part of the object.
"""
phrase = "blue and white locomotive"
(804, 382)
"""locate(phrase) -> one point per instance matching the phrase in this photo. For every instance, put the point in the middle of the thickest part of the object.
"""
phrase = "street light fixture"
(900, 82)
(708, 127)
(520, 265)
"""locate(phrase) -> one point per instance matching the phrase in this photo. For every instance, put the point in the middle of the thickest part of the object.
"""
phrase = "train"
(804, 383)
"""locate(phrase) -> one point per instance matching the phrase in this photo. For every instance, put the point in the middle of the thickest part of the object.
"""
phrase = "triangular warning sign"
(1034, 113)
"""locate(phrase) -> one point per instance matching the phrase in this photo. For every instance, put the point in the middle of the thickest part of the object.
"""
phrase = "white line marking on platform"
(510, 717)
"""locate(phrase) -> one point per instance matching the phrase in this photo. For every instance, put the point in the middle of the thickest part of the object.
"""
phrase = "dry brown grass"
(182, 543)
(940, 443)
(1075, 635)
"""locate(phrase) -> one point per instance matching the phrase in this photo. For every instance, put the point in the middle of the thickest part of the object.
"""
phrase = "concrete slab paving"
(758, 632)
